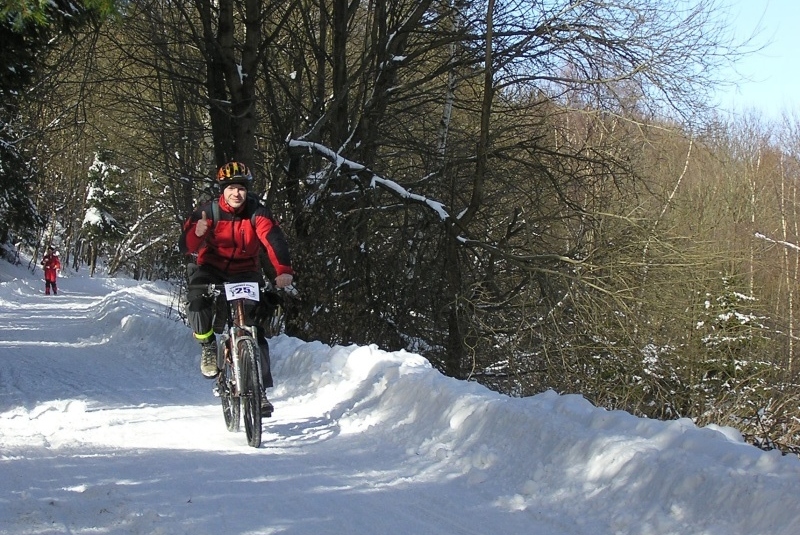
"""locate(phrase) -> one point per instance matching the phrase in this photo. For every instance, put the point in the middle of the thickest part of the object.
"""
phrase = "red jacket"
(232, 244)
(51, 264)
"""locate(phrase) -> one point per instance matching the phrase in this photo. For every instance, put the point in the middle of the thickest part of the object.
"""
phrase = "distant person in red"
(51, 265)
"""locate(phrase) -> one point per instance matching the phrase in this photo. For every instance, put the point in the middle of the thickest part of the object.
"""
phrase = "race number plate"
(241, 290)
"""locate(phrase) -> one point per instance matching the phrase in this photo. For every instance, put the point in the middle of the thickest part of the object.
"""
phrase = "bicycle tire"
(231, 407)
(251, 391)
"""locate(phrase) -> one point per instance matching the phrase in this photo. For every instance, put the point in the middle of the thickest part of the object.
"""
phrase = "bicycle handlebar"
(215, 288)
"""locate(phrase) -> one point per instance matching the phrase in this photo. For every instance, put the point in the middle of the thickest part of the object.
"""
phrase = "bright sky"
(774, 71)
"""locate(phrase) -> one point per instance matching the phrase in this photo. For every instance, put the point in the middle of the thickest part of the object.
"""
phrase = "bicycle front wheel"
(251, 391)
(226, 386)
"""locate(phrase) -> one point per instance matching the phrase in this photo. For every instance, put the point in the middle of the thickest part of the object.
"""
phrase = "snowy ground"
(106, 426)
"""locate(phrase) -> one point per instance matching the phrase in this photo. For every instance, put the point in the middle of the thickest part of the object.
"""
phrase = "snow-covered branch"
(779, 242)
(350, 167)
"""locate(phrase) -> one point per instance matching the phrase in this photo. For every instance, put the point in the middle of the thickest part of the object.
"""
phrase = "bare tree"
(524, 179)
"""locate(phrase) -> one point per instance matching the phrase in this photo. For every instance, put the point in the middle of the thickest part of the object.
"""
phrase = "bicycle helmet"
(234, 173)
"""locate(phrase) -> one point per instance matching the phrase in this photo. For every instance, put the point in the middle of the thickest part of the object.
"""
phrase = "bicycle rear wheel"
(226, 385)
(251, 391)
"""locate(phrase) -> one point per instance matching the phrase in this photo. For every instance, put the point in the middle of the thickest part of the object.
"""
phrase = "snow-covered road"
(106, 426)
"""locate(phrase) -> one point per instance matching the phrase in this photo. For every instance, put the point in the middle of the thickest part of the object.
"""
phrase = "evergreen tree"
(17, 63)
(100, 228)
(27, 31)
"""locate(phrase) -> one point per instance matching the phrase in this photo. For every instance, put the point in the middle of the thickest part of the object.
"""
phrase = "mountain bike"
(239, 384)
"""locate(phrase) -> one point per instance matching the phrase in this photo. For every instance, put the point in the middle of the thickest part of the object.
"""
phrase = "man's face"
(235, 195)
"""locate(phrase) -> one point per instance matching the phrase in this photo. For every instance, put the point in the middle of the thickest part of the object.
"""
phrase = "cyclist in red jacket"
(51, 265)
(228, 251)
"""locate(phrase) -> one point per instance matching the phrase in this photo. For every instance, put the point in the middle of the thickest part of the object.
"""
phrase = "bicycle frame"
(244, 385)
(237, 329)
